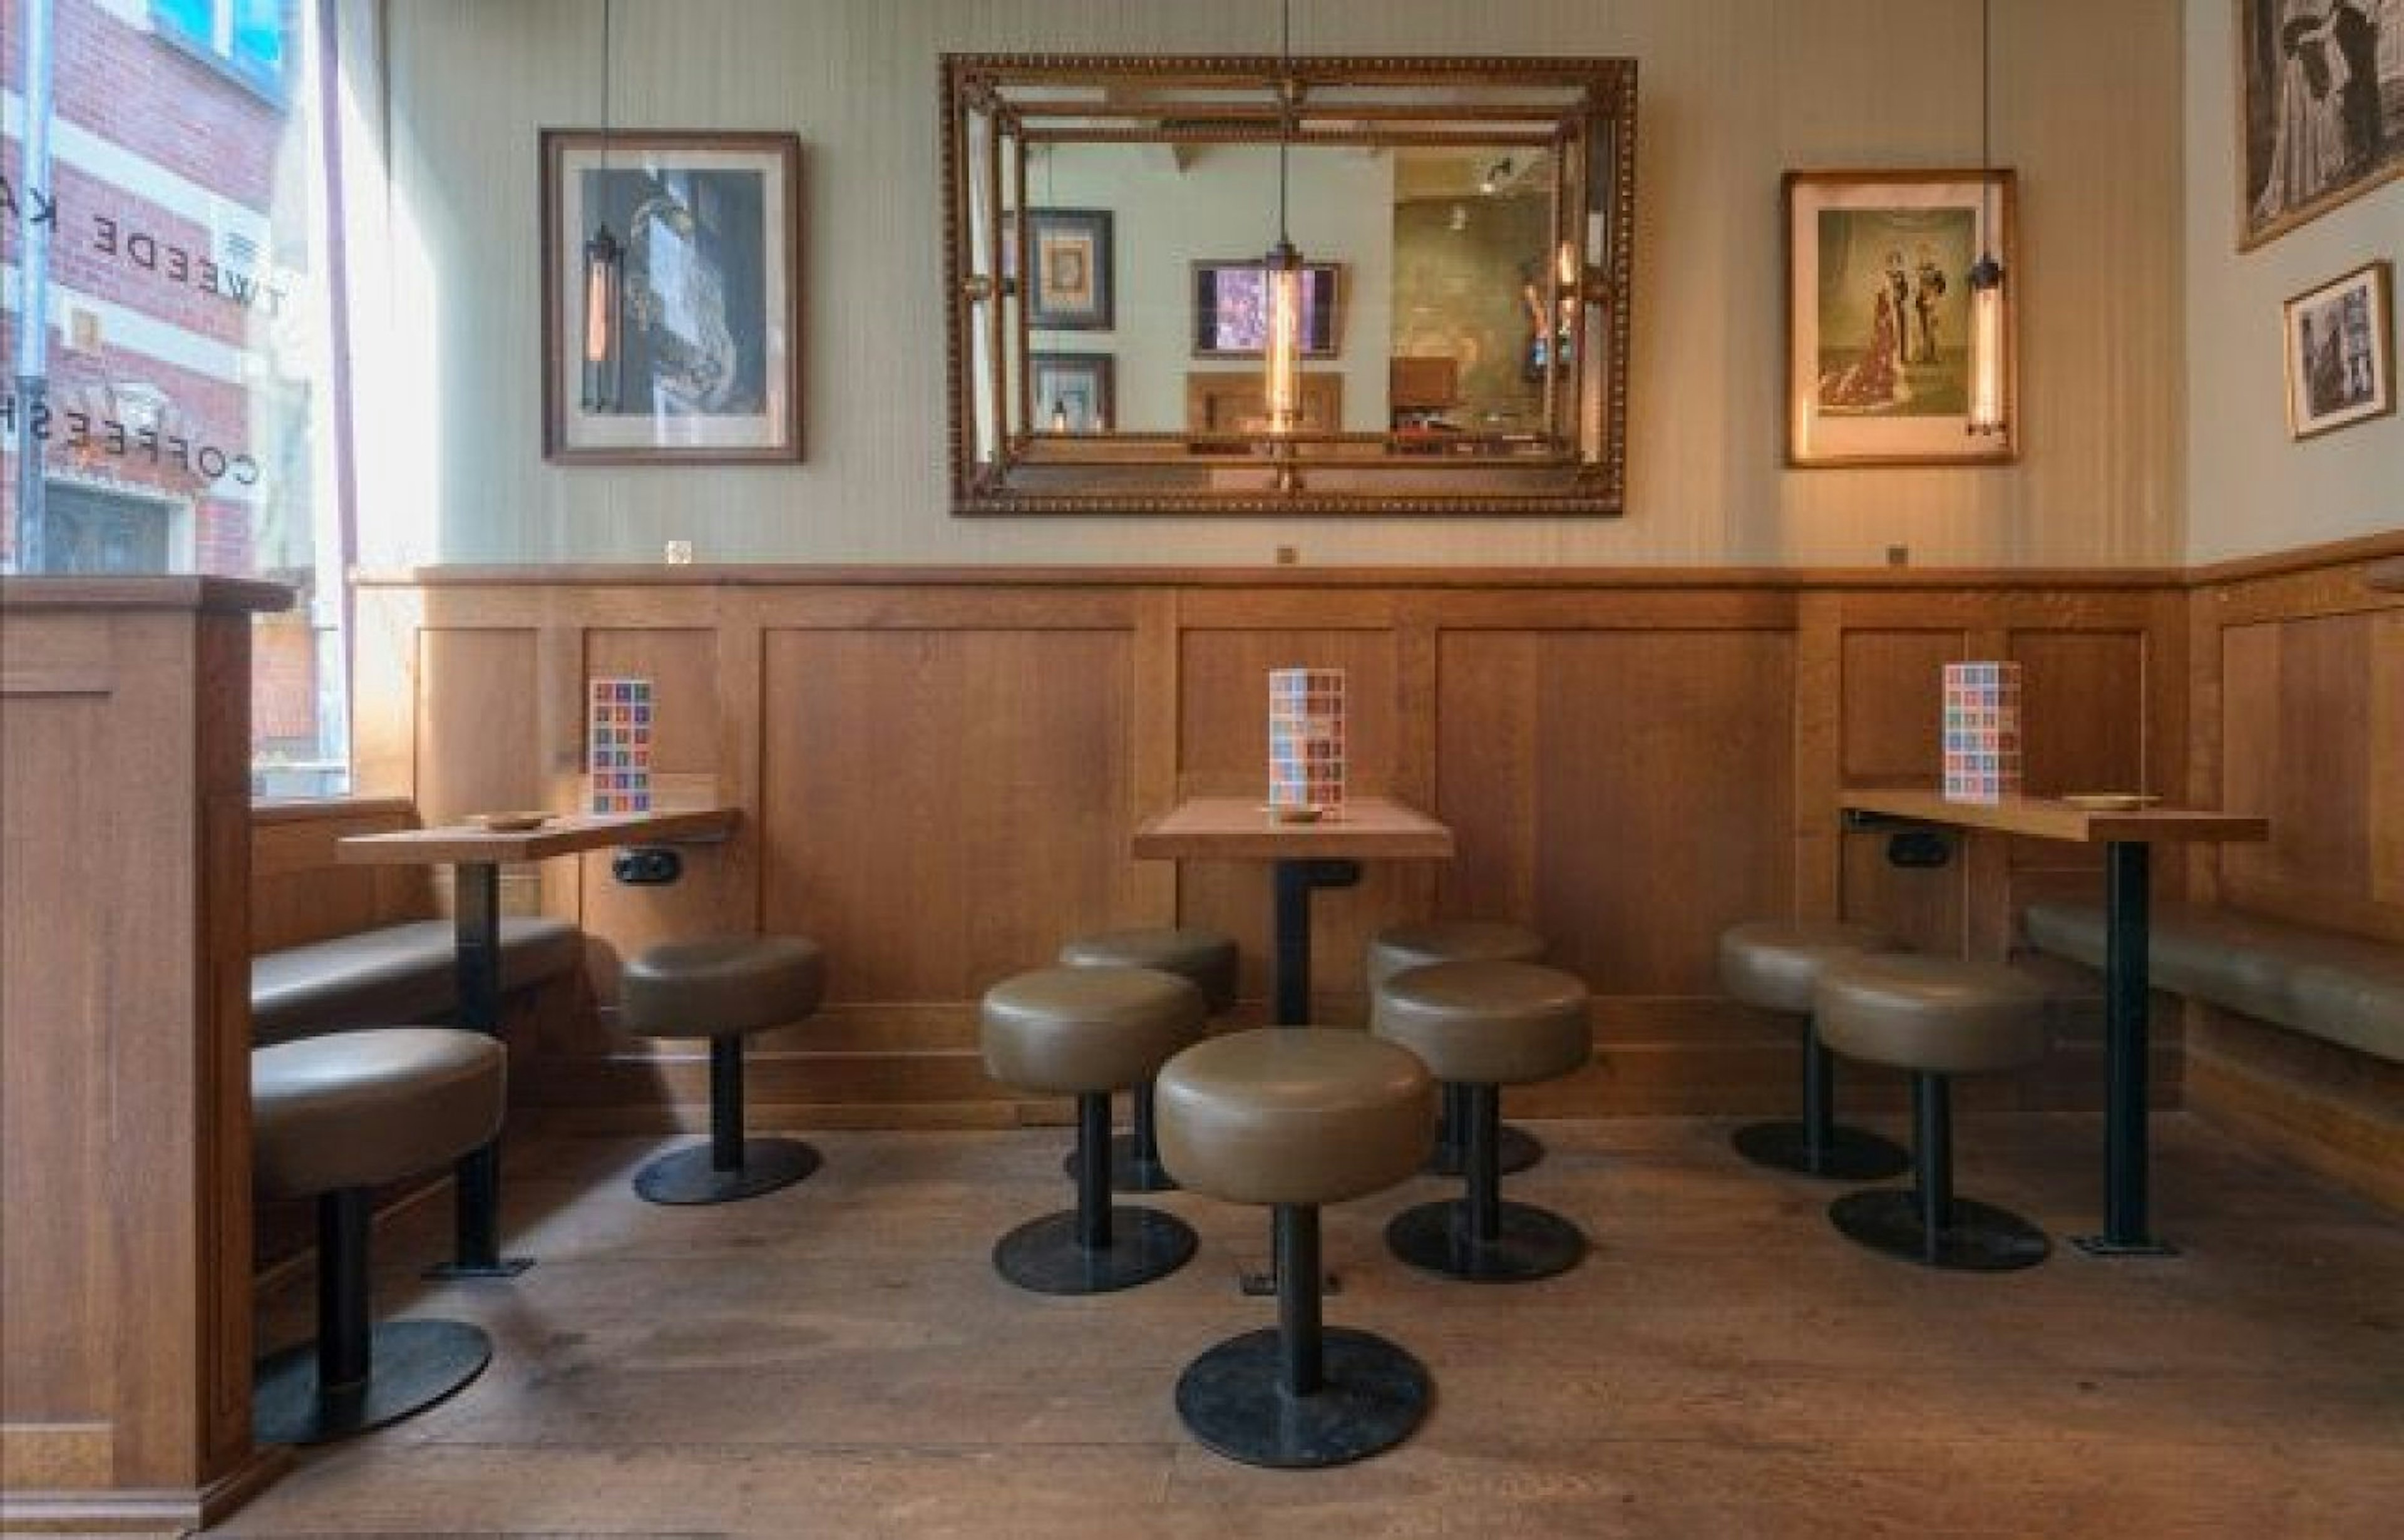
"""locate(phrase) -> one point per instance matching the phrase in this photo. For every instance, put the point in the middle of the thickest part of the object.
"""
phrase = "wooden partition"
(2298, 696)
(941, 772)
(125, 1220)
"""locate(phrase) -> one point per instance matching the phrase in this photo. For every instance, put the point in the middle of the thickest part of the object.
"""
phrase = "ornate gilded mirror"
(1454, 237)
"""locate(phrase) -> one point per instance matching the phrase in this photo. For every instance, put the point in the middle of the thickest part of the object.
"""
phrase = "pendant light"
(604, 270)
(1281, 272)
(1987, 364)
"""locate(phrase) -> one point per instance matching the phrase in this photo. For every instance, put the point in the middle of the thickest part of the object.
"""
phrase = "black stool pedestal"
(1817, 1144)
(1135, 1156)
(1095, 1248)
(1302, 1396)
(1928, 1225)
(1477, 1237)
(730, 1166)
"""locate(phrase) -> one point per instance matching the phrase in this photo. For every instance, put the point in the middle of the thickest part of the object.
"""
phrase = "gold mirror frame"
(1574, 118)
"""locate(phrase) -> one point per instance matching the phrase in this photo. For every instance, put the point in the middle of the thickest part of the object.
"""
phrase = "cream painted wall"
(1732, 92)
(2254, 487)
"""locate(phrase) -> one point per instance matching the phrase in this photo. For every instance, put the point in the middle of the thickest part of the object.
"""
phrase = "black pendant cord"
(1986, 122)
(1285, 108)
(606, 7)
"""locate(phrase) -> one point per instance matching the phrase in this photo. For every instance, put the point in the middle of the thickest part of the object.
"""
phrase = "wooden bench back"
(301, 891)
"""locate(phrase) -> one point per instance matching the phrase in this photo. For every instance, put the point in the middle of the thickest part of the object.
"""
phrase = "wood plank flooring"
(839, 1360)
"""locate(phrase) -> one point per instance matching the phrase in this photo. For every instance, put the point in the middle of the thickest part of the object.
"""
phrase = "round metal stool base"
(1848, 1155)
(1515, 1150)
(1128, 1174)
(1043, 1256)
(1530, 1242)
(1233, 1400)
(687, 1176)
(1982, 1238)
(415, 1364)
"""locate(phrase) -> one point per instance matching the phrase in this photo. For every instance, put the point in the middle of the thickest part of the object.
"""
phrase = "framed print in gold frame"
(1879, 341)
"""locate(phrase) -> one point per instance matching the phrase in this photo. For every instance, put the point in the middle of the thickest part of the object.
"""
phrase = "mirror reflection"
(1459, 242)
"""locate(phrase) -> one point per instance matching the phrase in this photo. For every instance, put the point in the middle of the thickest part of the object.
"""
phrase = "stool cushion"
(721, 984)
(1293, 1115)
(1939, 1015)
(1488, 1022)
(1206, 957)
(1774, 963)
(373, 1104)
(1070, 1030)
(1419, 944)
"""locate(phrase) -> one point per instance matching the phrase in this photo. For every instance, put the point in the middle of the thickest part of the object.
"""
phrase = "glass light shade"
(1283, 273)
(604, 277)
(1986, 359)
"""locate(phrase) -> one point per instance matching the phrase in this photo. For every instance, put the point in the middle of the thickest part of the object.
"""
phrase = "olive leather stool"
(1482, 1026)
(1398, 947)
(333, 1117)
(1937, 1017)
(1774, 964)
(723, 989)
(1291, 1118)
(1087, 1033)
(1207, 958)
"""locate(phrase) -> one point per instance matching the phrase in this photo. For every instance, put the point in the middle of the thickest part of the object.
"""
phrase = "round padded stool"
(1087, 1033)
(1398, 948)
(1936, 1017)
(1774, 964)
(1291, 1118)
(1482, 1026)
(723, 989)
(332, 1118)
(1207, 958)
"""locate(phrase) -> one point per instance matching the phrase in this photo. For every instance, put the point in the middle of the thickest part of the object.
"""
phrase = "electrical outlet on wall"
(680, 554)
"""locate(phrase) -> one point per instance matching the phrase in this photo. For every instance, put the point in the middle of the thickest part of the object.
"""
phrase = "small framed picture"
(2341, 351)
(1070, 248)
(694, 353)
(1231, 309)
(1880, 351)
(1072, 392)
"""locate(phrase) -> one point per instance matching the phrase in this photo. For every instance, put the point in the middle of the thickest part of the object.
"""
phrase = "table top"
(2049, 817)
(564, 834)
(1242, 829)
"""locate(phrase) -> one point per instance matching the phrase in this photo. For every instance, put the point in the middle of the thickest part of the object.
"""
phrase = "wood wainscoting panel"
(2296, 688)
(477, 745)
(1893, 696)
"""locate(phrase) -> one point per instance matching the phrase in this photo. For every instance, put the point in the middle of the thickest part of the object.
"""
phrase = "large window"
(167, 286)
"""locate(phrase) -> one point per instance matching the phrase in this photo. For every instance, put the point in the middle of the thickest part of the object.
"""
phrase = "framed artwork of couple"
(2321, 107)
(1879, 339)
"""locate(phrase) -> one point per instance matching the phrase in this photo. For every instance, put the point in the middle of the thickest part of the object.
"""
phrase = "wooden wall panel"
(944, 808)
(2298, 687)
(1894, 700)
(477, 737)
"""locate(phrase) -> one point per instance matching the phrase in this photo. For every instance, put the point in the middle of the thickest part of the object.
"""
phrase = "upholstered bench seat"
(407, 971)
(2346, 989)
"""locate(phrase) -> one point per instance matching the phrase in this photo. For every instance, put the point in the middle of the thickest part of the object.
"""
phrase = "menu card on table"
(618, 744)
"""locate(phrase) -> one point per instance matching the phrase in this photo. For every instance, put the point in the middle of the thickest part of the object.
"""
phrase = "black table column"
(476, 1216)
(2127, 980)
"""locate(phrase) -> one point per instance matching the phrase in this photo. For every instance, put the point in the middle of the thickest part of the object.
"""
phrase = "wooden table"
(1306, 856)
(2127, 838)
(476, 856)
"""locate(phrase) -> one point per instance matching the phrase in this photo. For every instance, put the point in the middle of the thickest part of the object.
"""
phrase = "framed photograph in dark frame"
(1070, 250)
(1072, 392)
(705, 364)
(2340, 345)
(1231, 309)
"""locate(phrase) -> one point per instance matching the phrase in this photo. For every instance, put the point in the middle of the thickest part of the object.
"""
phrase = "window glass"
(165, 308)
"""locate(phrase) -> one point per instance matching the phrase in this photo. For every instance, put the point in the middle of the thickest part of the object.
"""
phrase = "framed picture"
(2341, 351)
(700, 359)
(1072, 392)
(2320, 109)
(1070, 248)
(1231, 309)
(1878, 345)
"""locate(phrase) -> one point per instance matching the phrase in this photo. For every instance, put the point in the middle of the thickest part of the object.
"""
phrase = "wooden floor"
(839, 1359)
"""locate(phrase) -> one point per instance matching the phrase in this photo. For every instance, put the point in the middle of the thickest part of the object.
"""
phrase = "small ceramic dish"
(2108, 802)
(1296, 813)
(510, 823)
